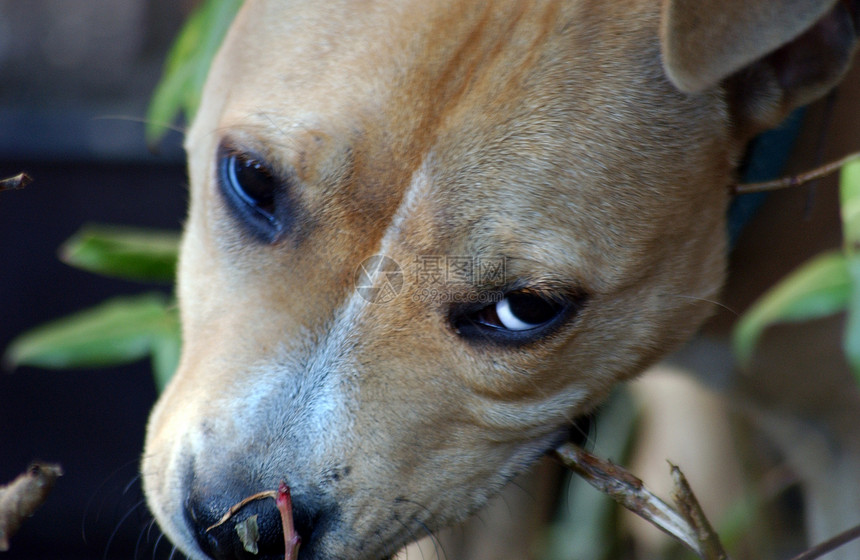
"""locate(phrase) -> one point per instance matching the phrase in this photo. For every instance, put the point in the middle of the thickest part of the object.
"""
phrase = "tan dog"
(549, 181)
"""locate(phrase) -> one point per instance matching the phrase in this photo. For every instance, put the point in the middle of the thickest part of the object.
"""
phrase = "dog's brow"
(263, 133)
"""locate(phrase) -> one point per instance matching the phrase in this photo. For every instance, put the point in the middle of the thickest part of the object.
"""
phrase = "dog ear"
(772, 55)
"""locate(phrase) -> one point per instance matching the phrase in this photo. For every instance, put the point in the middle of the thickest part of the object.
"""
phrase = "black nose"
(256, 525)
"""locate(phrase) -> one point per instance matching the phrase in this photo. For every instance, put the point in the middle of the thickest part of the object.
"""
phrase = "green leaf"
(118, 331)
(851, 338)
(818, 288)
(849, 205)
(166, 349)
(136, 254)
(187, 65)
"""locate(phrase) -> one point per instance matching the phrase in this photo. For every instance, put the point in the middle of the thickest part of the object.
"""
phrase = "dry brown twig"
(692, 512)
(284, 503)
(689, 526)
(20, 498)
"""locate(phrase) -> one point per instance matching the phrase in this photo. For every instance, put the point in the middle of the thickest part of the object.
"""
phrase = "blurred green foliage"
(120, 330)
(827, 284)
(187, 65)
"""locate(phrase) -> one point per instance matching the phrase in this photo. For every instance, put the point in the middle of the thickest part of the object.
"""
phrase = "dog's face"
(550, 209)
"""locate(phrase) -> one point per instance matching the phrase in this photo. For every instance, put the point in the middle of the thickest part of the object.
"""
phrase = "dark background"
(75, 78)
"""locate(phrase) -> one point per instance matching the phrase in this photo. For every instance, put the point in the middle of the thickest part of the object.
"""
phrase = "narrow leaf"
(117, 331)
(851, 338)
(849, 195)
(136, 254)
(818, 288)
(187, 66)
(849, 205)
(166, 349)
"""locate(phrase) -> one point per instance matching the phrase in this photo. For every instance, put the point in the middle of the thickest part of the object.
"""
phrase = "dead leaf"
(249, 534)
(20, 498)
(19, 181)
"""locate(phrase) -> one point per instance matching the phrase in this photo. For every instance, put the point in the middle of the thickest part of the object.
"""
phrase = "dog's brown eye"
(519, 312)
(519, 317)
(252, 182)
(251, 190)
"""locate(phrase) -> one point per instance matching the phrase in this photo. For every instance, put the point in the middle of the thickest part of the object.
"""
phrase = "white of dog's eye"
(519, 312)
(509, 320)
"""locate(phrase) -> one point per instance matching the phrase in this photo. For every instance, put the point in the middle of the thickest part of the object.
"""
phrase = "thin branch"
(242, 503)
(821, 549)
(794, 180)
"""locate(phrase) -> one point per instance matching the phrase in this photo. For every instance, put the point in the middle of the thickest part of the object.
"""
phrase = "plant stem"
(292, 540)
(794, 180)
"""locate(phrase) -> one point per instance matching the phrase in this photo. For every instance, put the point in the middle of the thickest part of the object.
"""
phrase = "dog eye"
(250, 188)
(518, 317)
(252, 182)
(519, 312)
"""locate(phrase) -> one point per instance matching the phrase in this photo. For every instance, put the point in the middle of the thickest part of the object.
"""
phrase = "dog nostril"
(223, 542)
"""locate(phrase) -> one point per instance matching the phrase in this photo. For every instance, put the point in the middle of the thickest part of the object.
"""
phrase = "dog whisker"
(131, 484)
(583, 429)
(479, 517)
(434, 539)
(503, 499)
(144, 532)
(149, 527)
(157, 542)
(437, 544)
(119, 524)
(266, 115)
(405, 500)
(525, 492)
(705, 300)
(412, 536)
(104, 496)
(141, 120)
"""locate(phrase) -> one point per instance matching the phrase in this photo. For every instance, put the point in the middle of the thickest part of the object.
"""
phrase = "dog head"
(424, 236)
